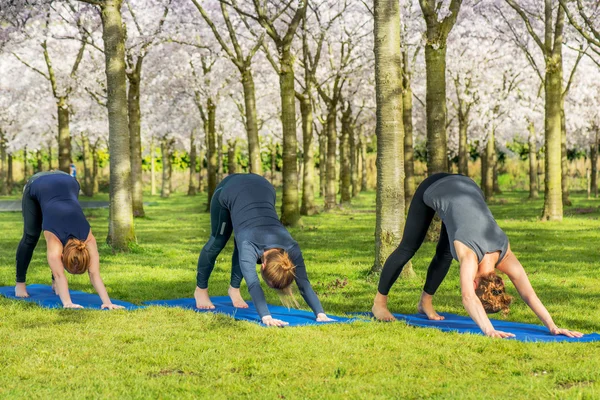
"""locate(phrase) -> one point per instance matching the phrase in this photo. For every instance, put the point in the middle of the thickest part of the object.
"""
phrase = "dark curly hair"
(492, 294)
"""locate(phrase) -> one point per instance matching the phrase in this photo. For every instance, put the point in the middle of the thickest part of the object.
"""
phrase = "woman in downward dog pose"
(50, 204)
(470, 235)
(245, 204)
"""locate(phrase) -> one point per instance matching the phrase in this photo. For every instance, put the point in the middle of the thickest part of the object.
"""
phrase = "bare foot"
(21, 290)
(382, 313)
(425, 306)
(236, 297)
(380, 310)
(202, 300)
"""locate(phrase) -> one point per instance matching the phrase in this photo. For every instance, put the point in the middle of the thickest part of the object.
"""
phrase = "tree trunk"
(331, 126)
(308, 206)
(220, 167)
(323, 163)
(10, 179)
(435, 61)
(593, 186)
(211, 143)
(38, 158)
(290, 212)
(345, 155)
(409, 158)
(200, 165)
(152, 168)
(165, 150)
(495, 171)
(483, 160)
(533, 187)
(231, 156)
(3, 165)
(390, 133)
(64, 136)
(564, 161)
(50, 156)
(463, 150)
(255, 163)
(490, 148)
(354, 162)
(88, 185)
(135, 140)
(363, 161)
(192, 187)
(121, 231)
(25, 172)
(553, 205)
(95, 169)
(594, 160)
(273, 160)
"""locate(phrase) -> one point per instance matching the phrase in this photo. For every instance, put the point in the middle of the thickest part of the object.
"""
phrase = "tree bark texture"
(290, 210)
(553, 205)
(390, 131)
(3, 165)
(211, 144)
(307, 206)
(345, 155)
(490, 148)
(255, 164)
(363, 162)
(121, 230)
(533, 186)
(231, 156)
(331, 129)
(354, 162)
(192, 186)
(323, 163)
(64, 136)
(88, 184)
(564, 161)
(165, 148)
(435, 60)
(135, 139)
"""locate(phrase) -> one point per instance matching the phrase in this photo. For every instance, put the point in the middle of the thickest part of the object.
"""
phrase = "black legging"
(418, 220)
(32, 227)
(221, 229)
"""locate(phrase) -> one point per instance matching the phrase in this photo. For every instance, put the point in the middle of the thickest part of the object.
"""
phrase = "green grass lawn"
(172, 353)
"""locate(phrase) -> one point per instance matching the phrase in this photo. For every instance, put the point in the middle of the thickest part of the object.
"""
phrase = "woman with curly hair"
(50, 204)
(244, 204)
(470, 235)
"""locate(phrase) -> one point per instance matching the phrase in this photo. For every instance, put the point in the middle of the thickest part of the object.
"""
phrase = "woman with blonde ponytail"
(245, 204)
(50, 204)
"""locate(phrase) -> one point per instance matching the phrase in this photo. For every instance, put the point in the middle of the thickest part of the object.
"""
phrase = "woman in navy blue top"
(244, 204)
(50, 204)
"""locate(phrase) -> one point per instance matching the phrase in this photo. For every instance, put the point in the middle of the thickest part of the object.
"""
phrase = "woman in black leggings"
(470, 235)
(51, 205)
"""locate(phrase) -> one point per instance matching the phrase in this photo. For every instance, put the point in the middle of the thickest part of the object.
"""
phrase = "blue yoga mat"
(523, 332)
(45, 297)
(223, 305)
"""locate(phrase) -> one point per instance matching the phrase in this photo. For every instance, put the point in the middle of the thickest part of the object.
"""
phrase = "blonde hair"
(279, 272)
(492, 294)
(76, 256)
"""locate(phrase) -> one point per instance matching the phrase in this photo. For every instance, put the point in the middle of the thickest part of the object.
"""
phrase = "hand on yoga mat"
(499, 334)
(111, 307)
(71, 305)
(324, 318)
(566, 332)
(270, 321)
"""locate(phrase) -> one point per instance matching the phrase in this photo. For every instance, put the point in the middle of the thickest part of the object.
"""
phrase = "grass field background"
(172, 353)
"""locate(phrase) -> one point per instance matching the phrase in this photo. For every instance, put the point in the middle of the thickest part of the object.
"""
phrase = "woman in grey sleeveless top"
(471, 236)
